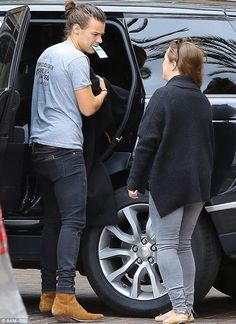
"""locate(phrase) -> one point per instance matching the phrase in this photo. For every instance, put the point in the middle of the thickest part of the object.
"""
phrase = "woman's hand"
(133, 194)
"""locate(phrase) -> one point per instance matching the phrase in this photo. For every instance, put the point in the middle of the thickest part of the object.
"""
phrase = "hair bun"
(69, 7)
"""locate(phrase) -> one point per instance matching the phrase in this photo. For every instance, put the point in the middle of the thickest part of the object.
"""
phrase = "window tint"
(8, 36)
(217, 38)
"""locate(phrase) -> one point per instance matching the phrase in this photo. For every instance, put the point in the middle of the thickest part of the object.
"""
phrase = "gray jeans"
(173, 234)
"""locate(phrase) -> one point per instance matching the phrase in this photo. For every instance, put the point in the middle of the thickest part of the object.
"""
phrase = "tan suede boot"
(162, 317)
(66, 307)
(46, 301)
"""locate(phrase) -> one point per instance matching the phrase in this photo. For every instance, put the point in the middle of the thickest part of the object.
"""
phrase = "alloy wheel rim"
(127, 255)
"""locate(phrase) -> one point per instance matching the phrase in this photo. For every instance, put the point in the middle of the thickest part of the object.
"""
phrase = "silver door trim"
(219, 207)
(21, 222)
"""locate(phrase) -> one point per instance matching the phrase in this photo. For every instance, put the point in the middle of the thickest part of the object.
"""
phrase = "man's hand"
(133, 194)
(101, 82)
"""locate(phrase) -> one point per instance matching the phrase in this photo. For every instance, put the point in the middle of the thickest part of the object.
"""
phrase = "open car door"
(12, 35)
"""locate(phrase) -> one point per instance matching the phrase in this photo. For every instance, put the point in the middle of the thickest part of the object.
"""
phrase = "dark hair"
(80, 14)
(189, 59)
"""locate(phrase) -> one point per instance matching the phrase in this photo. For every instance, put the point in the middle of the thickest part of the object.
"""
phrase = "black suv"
(119, 259)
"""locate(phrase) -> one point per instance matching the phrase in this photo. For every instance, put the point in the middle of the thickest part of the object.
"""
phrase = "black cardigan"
(175, 148)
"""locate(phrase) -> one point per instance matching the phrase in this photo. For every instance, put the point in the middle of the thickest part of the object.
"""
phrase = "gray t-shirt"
(56, 119)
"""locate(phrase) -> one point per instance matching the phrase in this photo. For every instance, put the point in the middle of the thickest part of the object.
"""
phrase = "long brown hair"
(80, 14)
(189, 59)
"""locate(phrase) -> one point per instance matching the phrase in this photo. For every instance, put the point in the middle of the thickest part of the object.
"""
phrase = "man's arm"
(87, 102)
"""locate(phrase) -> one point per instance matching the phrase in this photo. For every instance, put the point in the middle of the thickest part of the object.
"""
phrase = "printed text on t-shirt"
(43, 72)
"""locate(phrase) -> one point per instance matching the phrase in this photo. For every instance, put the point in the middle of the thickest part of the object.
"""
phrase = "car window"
(151, 37)
(8, 35)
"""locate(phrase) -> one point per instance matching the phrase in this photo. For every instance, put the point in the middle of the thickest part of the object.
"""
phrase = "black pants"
(63, 183)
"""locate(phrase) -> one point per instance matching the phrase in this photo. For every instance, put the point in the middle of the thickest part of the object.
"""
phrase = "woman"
(175, 152)
(62, 92)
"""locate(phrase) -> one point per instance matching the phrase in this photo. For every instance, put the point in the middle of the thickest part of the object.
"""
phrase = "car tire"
(107, 251)
(226, 279)
(207, 255)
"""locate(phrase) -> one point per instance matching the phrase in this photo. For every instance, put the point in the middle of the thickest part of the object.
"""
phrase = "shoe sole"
(188, 321)
(184, 322)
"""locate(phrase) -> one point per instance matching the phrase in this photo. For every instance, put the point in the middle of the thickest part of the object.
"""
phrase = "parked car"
(120, 259)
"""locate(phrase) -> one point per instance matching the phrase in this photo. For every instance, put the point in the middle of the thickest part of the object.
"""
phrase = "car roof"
(138, 6)
(132, 3)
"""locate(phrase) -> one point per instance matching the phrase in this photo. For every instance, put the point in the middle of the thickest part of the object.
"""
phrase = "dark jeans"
(63, 183)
